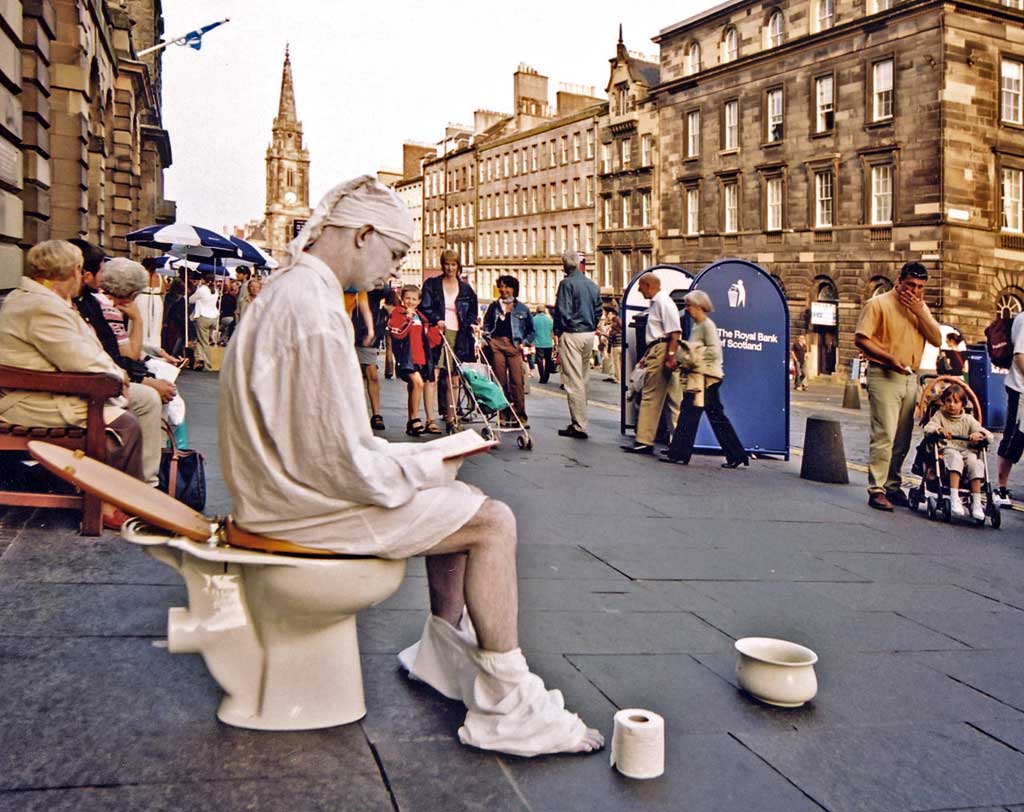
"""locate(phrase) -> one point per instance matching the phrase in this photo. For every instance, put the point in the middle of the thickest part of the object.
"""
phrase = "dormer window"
(622, 100)
(730, 45)
(693, 59)
(776, 31)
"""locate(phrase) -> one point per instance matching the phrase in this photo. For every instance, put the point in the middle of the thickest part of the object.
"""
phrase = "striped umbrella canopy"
(182, 240)
(253, 255)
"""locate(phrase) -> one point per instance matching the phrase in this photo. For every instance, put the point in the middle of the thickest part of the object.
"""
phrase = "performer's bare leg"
(489, 584)
(445, 578)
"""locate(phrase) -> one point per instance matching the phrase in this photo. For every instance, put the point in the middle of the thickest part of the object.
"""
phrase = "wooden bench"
(95, 388)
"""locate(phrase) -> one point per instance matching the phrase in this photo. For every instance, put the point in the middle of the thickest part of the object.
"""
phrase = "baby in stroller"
(960, 437)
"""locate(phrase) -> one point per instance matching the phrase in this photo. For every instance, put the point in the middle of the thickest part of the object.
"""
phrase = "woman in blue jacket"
(450, 304)
(508, 325)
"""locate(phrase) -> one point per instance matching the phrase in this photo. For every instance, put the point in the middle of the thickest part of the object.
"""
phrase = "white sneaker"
(977, 511)
(956, 505)
(1001, 497)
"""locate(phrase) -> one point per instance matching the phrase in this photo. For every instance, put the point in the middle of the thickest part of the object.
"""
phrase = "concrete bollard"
(824, 456)
(851, 395)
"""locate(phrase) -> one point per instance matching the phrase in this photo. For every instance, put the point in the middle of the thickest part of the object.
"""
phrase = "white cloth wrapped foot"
(509, 708)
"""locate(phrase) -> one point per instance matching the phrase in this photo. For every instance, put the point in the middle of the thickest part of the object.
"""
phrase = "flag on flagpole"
(194, 39)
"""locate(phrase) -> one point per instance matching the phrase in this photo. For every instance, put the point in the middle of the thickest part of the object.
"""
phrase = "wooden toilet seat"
(139, 499)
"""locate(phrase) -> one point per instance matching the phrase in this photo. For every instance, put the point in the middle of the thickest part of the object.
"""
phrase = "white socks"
(956, 502)
(977, 511)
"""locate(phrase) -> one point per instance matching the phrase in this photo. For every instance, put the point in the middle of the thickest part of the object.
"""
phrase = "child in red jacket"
(412, 340)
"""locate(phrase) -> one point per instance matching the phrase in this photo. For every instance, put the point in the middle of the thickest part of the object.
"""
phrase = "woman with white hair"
(122, 281)
(706, 347)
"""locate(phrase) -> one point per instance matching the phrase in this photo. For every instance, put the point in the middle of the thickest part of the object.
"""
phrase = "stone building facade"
(446, 192)
(410, 188)
(82, 144)
(831, 141)
(628, 198)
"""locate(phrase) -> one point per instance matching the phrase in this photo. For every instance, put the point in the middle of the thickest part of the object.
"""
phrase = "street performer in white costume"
(302, 465)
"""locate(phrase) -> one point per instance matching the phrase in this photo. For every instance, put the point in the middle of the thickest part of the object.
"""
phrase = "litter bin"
(989, 384)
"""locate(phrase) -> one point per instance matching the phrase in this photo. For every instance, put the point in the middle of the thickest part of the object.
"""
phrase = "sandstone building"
(832, 140)
(82, 144)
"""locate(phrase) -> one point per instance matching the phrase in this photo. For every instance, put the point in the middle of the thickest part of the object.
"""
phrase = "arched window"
(776, 31)
(730, 45)
(824, 14)
(878, 286)
(827, 291)
(693, 59)
(1010, 302)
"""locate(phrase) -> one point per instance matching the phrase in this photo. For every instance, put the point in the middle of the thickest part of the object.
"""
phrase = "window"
(730, 125)
(606, 158)
(590, 144)
(881, 194)
(1010, 96)
(773, 207)
(625, 145)
(508, 204)
(515, 162)
(693, 59)
(1012, 200)
(505, 159)
(627, 221)
(693, 210)
(587, 229)
(551, 152)
(627, 268)
(533, 199)
(565, 194)
(774, 104)
(606, 213)
(693, 134)
(881, 90)
(730, 45)
(823, 199)
(824, 119)
(730, 204)
(575, 146)
(880, 5)
(622, 100)
(1017, 4)
(533, 158)
(515, 203)
(565, 239)
(824, 14)
(552, 196)
(565, 149)
(646, 149)
(590, 190)
(575, 238)
(645, 208)
(776, 32)
(575, 192)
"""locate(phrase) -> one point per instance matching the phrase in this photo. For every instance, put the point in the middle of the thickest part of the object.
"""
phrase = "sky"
(368, 77)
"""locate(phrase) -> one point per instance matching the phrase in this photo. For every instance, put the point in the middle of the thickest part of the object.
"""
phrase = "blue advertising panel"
(989, 384)
(753, 323)
(676, 281)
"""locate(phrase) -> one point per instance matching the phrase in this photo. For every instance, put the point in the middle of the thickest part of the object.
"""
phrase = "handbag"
(183, 473)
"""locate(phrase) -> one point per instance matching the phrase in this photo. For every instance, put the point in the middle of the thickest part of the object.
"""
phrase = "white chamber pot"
(776, 672)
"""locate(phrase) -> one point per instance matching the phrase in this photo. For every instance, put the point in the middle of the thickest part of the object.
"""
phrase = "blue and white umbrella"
(182, 240)
(253, 255)
(169, 265)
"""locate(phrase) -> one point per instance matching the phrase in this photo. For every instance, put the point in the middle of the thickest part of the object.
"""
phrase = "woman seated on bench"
(41, 330)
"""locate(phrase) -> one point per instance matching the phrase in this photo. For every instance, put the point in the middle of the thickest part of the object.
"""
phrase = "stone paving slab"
(867, 769)
(346, 793)
(995, 673)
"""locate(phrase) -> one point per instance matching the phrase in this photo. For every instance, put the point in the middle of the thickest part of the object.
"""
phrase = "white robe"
(298, 454)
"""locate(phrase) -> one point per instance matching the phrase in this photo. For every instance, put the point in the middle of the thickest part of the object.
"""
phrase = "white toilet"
(275, 622)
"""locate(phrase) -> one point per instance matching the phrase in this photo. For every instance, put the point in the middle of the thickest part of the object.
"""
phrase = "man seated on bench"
(303, 465)
(41, 330)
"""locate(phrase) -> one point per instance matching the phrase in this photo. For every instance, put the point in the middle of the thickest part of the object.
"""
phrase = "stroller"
(481, 396)
(934, 491)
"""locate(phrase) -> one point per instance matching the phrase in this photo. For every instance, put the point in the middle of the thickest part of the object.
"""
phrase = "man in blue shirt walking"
(577, 311)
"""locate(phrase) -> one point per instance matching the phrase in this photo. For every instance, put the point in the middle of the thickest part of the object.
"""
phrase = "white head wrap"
(354, 203)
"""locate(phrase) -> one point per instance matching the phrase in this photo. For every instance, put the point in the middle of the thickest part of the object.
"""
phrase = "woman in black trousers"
(707, 351)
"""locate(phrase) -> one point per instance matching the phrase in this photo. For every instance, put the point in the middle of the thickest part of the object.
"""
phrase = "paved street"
(636, 578)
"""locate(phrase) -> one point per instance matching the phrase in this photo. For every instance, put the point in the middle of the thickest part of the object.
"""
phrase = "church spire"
(286, 107)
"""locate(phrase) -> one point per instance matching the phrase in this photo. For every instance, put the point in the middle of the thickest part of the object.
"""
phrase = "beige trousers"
(660, 385)
(144, 402)
(892, 398)
(574, 349)
(204, 329)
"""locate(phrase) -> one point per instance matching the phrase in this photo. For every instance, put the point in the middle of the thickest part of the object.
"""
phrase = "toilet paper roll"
(638, 743)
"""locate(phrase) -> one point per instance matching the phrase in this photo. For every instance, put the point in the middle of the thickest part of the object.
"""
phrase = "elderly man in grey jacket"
(577, 311)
